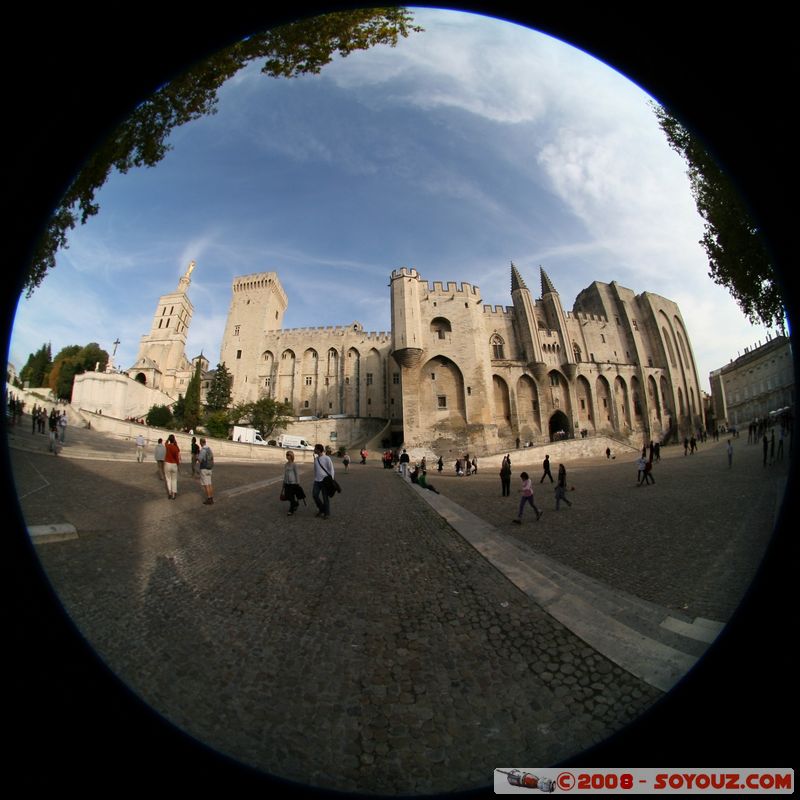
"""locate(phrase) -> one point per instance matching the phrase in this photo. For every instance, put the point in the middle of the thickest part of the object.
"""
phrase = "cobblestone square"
(377, 651)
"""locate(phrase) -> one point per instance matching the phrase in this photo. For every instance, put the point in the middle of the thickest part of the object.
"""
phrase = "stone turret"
(407, 290)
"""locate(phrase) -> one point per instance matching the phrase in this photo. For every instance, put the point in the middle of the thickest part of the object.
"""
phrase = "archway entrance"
(559, 427)
(142, 378)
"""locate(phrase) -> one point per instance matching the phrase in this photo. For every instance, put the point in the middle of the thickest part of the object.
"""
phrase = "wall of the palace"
(453, 372)
(619, 364)
(318, 371)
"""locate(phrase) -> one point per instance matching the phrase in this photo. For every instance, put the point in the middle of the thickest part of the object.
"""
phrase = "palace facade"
(453, 373)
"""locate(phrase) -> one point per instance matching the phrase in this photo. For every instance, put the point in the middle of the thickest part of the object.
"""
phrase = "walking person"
(641, 463)
(62, 427)
(53, 425)
(205, 463)
(323, 468)
(160, 453)
(140, 448)
(730, 454)
(440, 464)
(346, 461)
(404, 459)
(561, 487)
(546, 468)
(505, 476)
(527, 497)
(291, 483)
(195, 456)
(171, 460)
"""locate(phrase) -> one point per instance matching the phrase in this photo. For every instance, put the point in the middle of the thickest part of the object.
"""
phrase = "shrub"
(159, 417)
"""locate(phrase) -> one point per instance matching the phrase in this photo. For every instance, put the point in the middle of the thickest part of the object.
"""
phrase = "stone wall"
(115, 395)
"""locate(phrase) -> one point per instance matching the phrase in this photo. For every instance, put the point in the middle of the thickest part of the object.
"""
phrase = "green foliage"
(265, 415)
(92, 357)
(218, 396)
(37, 367)
(178, 409)
(71, 361)
(67, 352)
(62, 376)
(302, 47)
(191, 410)
(217, 423)
(159, 417)
(737, 257)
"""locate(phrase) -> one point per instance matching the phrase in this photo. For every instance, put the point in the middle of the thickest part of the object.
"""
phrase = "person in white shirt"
(140, 448)
(160, 454)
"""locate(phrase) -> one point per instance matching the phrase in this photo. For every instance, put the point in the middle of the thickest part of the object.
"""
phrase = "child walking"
(527, 497)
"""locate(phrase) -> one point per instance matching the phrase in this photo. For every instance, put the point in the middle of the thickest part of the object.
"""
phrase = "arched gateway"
(559, 426)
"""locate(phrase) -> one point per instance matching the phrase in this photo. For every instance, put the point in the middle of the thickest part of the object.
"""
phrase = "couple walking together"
(325, 485)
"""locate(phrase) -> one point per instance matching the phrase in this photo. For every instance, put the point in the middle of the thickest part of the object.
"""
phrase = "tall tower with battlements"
(258, 303)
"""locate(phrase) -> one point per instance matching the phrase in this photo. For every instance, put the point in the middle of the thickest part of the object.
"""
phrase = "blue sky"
(466, 147)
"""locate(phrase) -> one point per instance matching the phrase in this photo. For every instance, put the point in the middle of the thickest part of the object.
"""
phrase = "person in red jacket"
(171, 461)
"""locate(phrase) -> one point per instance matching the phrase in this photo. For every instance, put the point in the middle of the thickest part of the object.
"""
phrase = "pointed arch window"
(498, 346)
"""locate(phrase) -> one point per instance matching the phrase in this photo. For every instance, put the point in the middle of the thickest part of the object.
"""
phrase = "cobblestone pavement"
(376, 651)
(692, 541)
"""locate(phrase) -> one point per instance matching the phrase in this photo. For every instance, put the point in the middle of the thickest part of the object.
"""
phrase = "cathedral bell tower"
(162, 352)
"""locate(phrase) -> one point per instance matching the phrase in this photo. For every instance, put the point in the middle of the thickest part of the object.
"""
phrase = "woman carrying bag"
(292, 491)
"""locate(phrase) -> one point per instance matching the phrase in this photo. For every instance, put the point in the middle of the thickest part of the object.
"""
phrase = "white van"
(296, 442)
(248, 435)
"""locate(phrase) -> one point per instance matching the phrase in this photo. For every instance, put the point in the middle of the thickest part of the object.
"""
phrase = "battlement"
(452, 288)
(499, 311)
(405, 272)
(258, 281)
(332, 331)
(586, 317)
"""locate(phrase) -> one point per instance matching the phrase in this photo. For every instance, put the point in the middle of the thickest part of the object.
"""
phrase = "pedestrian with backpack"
(205, 461)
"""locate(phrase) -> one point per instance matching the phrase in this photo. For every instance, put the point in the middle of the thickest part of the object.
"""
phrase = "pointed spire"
(516, 279)
(547, 284)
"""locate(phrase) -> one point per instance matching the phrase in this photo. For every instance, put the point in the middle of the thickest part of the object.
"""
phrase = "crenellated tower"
(258, 303)
(407, 293)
